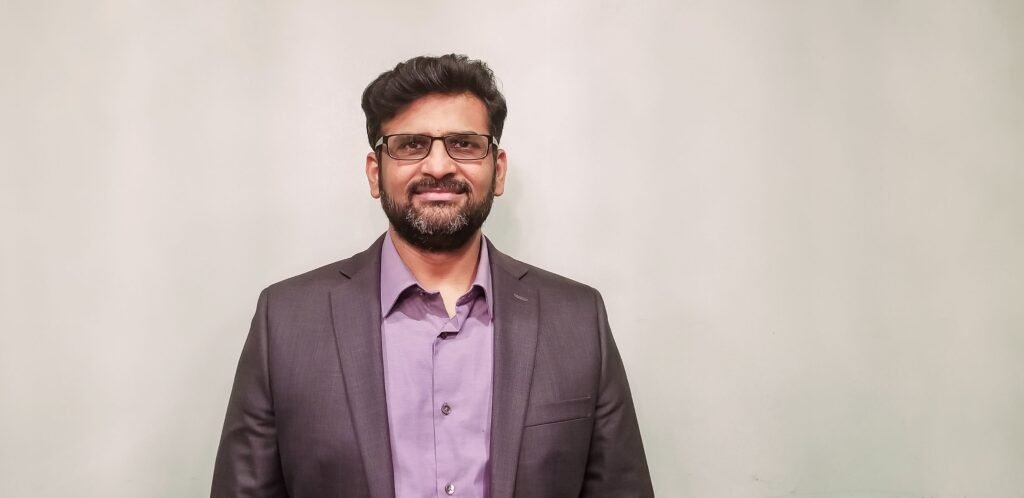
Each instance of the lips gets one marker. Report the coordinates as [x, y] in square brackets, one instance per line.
[438, 190]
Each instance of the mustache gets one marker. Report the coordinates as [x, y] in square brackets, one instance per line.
[447, 184]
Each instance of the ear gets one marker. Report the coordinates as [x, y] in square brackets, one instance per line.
[372, 169]
[500, 168]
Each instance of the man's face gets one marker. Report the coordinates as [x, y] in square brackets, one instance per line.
[437, 203]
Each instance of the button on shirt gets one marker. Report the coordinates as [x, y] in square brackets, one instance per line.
[437, 377]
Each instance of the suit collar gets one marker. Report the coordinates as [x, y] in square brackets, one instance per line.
[515, 268]
[366, 260]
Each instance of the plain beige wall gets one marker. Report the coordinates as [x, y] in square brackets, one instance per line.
[805, 217]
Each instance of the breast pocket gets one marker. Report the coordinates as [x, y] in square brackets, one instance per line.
[559, 411]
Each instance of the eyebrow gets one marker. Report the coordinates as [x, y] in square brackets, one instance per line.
[457, 132]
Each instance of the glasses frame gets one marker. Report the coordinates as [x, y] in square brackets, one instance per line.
[382, 141]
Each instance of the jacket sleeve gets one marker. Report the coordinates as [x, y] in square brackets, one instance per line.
[248, 464]
[616, 466]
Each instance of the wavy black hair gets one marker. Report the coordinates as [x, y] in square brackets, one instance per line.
[418, 77]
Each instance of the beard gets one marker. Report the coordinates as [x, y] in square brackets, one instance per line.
[437, 226]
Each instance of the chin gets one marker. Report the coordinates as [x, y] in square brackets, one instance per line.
[438, 209]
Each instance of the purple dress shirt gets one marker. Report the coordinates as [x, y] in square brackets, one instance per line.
[437, 378]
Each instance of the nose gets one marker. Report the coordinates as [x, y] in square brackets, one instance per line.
[438, 163]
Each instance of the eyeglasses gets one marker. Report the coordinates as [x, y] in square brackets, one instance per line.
[460, 146]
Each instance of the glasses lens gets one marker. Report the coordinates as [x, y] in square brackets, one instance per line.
[408, 146]
[467, 146]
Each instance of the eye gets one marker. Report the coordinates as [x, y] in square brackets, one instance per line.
[466, 142]
[408, 143]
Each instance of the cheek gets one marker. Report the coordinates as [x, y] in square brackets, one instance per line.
[392, 182]
[482, 182]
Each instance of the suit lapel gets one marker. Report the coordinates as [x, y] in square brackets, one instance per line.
[355, 310]
[515, 344]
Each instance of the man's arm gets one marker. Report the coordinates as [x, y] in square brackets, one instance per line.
[616, 466]
[247, 461]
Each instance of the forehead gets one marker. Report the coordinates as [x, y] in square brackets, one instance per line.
[438, 114]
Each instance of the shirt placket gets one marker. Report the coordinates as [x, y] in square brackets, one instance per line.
[446, 414]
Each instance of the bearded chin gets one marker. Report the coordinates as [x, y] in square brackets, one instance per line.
[437, 227]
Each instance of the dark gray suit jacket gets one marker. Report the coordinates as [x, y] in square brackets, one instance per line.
[307, 417]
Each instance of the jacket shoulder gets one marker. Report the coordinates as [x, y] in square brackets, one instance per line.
[330, 275]
[544, 280]
[549, 279]
[326, 276]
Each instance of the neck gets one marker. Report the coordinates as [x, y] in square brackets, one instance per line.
[452, 270]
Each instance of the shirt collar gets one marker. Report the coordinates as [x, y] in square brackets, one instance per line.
[395, 276]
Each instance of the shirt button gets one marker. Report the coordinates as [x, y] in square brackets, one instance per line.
[449, 489]
[446, 409]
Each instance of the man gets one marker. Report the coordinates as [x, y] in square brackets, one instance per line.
[431, 364]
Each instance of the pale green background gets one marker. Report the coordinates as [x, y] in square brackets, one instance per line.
[805, 217]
